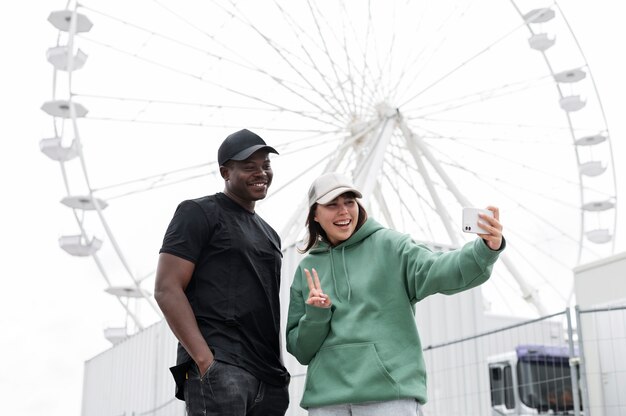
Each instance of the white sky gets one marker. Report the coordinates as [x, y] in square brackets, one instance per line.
[52, 309]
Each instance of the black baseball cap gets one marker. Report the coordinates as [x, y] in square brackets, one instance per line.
[240, 145]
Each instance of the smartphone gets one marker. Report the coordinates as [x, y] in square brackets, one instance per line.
[470, 220]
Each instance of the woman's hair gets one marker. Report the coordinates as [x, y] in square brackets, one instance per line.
[317, 233]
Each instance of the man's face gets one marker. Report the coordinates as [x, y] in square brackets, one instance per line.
[248, 180]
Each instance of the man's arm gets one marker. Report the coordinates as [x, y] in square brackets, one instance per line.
[172, 276]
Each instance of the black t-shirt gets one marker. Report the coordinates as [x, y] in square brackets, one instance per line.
[234, 289]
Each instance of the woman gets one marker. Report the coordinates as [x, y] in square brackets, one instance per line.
[351, 316]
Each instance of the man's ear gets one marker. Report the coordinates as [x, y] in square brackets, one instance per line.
[225, 172]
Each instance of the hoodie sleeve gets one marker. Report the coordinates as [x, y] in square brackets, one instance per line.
[429, 272]
[307, 326]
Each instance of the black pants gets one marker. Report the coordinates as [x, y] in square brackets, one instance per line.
[228, 390]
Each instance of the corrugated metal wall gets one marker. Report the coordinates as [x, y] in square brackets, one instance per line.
[133, 378]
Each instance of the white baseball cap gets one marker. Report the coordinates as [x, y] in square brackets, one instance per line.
[329, 186]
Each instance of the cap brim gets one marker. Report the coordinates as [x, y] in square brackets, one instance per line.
[325, 199]
[246, 153]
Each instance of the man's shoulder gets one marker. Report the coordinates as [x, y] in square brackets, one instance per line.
[207, 199]
[205, 209]
[208, 203]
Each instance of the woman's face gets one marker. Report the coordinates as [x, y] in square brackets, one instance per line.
[338, 218]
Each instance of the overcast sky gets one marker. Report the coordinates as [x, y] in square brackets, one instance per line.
[49, 326]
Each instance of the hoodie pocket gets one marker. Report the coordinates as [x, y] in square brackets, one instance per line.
[349, 373]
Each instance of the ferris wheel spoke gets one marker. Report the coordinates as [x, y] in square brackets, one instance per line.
[159, 180]
[348, 99]
[318, 161]
[202, 124]
[501, 183]
[301, 147]
[152, 33]
[174, 102]
[200, 78]
[509, 160]
[547, 129]
[217, 57]
[505, 187]
[407, 209]
[342, 102]
[282, 53]
[411, 70]
[236, 13]
[541, 279]
[473, 98]
[159, 185]
[377, 80]
[460, 66]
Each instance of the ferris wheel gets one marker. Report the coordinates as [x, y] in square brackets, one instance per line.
[430, 106]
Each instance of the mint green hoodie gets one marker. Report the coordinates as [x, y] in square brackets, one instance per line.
[366, 346]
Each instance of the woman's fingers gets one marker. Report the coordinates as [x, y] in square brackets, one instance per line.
[313, 282]
[317, 300]
[309, 279]
[491, 224]
[495, 210]
[493, 227]
[316, 296]
[318, 285]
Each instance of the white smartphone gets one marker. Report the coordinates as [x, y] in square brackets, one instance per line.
[470, 220]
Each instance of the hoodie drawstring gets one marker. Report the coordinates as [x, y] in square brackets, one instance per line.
[345, 270]
[332, 273]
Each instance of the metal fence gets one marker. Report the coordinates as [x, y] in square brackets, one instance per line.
[458, 371]
[461, 378]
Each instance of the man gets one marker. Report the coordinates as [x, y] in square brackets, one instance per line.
[217, 283]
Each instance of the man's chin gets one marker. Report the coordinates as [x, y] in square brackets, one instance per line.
[256, 196]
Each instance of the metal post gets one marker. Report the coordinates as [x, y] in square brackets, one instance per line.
[573, 360]
[583, 369]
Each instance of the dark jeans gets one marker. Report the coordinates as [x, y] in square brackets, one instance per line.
[228, 390]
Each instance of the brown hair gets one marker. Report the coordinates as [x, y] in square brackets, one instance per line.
[317, 233]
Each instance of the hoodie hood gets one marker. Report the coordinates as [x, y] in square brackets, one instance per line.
[368, 228]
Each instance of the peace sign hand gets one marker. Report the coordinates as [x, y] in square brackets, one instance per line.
[317, 297]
